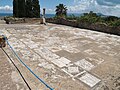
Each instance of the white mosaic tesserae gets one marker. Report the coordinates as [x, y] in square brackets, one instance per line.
[89, 79]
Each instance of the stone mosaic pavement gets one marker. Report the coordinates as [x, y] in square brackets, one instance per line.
[67, 58]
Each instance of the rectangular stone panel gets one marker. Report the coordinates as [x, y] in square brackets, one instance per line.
[61, 62]
[73, 70]
[84, 64]
[89, 79]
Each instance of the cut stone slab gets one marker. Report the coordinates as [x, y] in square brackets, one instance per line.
[72, 50]
[95, 61]
[31, 44]
[89, 79]
[84, 64]
[64, 60]
[90, 52]
[46, 54]
[58, 63]
[55, 49]
[110, 53]
[73, 69]
[61, 62]
[46, 65]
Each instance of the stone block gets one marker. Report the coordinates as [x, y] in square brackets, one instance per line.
[84, 64]
[89, 79]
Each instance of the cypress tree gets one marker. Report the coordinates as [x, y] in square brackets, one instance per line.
[36, 8]
[21, 8]
[28, 8]
[15, 8]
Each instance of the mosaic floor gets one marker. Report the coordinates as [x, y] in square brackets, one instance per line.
[66, 58]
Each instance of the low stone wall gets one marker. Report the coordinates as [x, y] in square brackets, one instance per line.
[95, 27]
[101, 28]
[33, 20]
[62, 21]
[12, 20]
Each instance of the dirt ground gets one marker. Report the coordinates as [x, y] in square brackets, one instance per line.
[66, 58]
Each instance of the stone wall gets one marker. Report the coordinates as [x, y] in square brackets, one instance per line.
[33, 20]
[95, 27]
[11, 20]
[101, 28]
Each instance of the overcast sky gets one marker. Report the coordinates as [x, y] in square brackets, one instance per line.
[107, 7]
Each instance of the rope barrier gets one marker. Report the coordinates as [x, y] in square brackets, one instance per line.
[17, 70]
[27, 66]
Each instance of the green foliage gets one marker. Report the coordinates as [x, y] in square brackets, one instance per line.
[29, 8]
[114, 23]
[26, 8]
[36, 8]
[21, 8]
[93, 18]
[111, 18]
[15, 8]
[72, 17]
[91, 14]
[89, 18]
[61, 11]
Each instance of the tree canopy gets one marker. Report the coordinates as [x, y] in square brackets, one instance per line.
[26, 8]
[61, 10]
[36, 8]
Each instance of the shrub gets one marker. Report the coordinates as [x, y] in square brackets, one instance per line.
[93, 18]
[111, 18]
[89, 19]
[72, 17]
[114, 23]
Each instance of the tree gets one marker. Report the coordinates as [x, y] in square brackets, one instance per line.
[61, 10]
[90, 18]
[111, 18]
[35, 8]
[28, 8]
[91, 14]
[21, 8]
[15, 8]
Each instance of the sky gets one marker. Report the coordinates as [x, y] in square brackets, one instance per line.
[107, 7]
